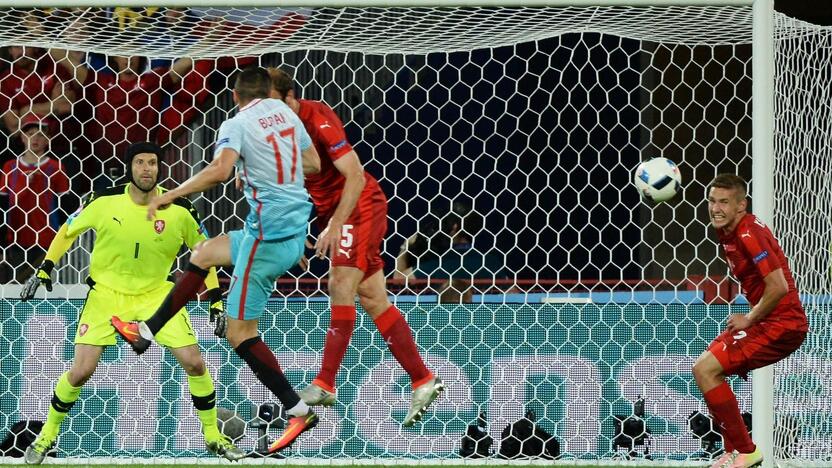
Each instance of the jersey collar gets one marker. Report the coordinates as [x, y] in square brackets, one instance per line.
[251, 104]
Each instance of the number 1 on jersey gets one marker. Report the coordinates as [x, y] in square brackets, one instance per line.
[288, 132]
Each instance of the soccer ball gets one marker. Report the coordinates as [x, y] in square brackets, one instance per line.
[658, 179]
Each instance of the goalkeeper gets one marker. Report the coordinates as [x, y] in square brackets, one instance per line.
[129, 266]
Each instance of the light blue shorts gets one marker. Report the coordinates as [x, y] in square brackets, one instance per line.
[257, 264]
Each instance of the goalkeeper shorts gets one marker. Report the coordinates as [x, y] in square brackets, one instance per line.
[102, 303]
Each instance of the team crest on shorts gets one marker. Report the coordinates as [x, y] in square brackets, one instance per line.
[83, 329]
[159, 226]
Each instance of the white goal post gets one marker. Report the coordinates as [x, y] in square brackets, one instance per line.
[533, 114]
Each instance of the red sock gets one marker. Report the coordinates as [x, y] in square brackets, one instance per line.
[341, 324]
[727, 445]
[723, 405]
[399, 338]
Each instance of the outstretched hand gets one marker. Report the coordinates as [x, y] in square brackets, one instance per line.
[43, 276]
[152, 207]
[157, 203]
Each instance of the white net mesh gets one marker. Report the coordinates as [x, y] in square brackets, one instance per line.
[801, 210]
[526, 124]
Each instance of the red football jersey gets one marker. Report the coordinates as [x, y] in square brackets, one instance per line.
[329, 138]
[33, 197]
[752, 253]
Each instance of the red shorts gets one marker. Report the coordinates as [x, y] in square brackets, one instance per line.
[362, 236]
[756, 346]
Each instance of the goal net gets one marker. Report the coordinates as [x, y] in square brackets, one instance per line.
[506, 138]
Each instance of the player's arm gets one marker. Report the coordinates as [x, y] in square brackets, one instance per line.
[310, 161]
[776, 289]
[219, 170]
[761, 253]
[83, 219]
[352, 170]
[216, 309]
[60, 244]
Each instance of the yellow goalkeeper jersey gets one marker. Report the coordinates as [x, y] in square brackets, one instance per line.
[132, 255]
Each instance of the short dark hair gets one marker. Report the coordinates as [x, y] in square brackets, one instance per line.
[253, 83]
[730, 181]
[282, 81]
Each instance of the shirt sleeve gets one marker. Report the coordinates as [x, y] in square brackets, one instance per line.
[331, 133]
[759, 249]
[195, 230]
[85, 216]
[230, 136]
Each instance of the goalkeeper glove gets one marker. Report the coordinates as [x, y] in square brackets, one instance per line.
[217, 312]
[43, 276]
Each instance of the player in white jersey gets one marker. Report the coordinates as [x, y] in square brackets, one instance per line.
[270, 146]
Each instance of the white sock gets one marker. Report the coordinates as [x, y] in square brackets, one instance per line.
[144, 331]
[299, 409]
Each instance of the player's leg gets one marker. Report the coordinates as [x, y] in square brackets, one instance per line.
[739, 353]
[343, 285]
[212, 252]
[760, 346]
[372, 293]
[204, 397]
[361, 237]
[244, 337]
[722, 403]
[94, 333]
[64, 397]
[256, 266]
[179, 337]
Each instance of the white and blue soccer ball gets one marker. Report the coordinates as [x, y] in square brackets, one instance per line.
[658, 179]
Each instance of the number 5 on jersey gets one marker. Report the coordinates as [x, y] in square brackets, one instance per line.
[346, 241]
